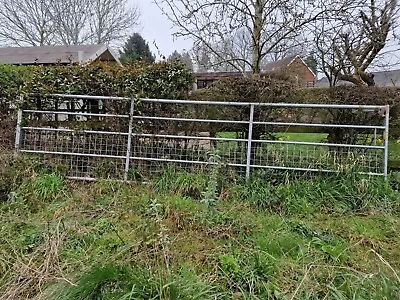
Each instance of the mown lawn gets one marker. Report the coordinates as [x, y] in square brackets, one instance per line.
[198, 236]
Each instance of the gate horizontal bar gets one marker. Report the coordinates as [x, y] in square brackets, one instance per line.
[230, 103]
[185, 161]
[53, 112]
[190, 120]
[207, 138]
[318, 144]
[322, 125]
[71, 153]
[74, 131]
[311, 170]
[89, 97]
[278, 104]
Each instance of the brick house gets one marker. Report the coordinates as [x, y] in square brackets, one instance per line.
[293, 66]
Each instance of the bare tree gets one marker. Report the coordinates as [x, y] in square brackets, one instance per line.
[70, 19]
[231, 55]
[349, 44]
[26, 22]
[111, 20]
[45, 22]
[267, 24]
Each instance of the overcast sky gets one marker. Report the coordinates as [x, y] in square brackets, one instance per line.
[155, 27]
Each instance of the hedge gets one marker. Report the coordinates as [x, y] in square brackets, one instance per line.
[159, 80]
[271, 90]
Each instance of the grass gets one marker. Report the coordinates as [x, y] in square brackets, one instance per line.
[283, 236]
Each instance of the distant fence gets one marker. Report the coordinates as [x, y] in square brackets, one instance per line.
[91, 141]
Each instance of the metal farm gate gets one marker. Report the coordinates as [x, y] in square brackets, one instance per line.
[121, 138]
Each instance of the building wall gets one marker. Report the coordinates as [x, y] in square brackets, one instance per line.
[301, 73]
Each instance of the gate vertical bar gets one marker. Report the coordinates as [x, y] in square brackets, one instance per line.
[129, 143]
[18, 131]
[386, 155]
[249, 140]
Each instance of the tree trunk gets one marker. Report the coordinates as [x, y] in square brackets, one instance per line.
[256, 36]
[361, 78]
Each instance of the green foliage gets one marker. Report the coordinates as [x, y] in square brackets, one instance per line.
[229, 265]
[105, 282]
[11, 80]
[136, 49]
[184, 183]
[159, 80]
[246, 90]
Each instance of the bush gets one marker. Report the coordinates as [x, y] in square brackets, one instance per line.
[266, 90]
[159, 80]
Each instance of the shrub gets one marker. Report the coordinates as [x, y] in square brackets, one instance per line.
[159, 80]
[267, 90]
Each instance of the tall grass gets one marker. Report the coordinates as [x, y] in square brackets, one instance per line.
[114, 281]
[279, 236]
[345, 192]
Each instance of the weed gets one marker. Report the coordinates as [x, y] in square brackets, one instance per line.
[107, 170]
[210, 194]
[259, 193]
[101, 282]
[33, 193]
[161, 239]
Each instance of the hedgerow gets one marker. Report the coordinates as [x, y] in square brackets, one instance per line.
[159, 80]
[266, 90]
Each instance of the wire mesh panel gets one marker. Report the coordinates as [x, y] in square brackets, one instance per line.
[121, 138]
[86, 142]
[326, 138]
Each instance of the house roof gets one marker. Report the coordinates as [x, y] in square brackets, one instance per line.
[282, 63]
[278, 64]
[382, 78]
[56, 54]
[387, 78]
[265, 69]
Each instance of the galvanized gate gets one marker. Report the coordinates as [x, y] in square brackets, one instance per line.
[137, 137]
